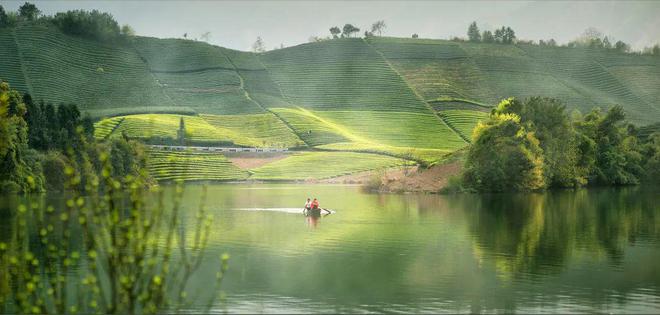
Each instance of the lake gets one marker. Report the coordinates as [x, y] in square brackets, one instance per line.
[590, 250]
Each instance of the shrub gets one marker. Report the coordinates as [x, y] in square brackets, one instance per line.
[53, 165]
[91, 24]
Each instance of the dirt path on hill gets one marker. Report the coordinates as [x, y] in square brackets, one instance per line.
[408, 179]
[247, 161]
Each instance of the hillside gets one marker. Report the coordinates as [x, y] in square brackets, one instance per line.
[412, 98]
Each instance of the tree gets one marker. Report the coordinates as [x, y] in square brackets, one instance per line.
[378, 27]
[655, 50]
[415, 35]
[488, 37]
[621, 46]
[3, 17]
[606, 43]
[499, 35]
[18, 173]
[552, 42]
[473, 32]
[504, 156]
[93, 24]
[29, 11]
[259, 46]
[349, 30]
[508, 35]
[181, 133]
[206, 36]
[616, 159]
[335, 31]
[127, 31]
[552, 126]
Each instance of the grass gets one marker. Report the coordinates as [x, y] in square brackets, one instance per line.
[192, 166]
[463, 120]
[180, 55]
[343, 74]
[423, 156]
[96, 76]
[486, 73]
[259, 130]
[395, 129]
[320, 165]
[10, 63]
[166, 126]
[103, 128]
[434, 68]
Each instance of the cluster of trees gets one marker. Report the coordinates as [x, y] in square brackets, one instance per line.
[536, 144]
[26, 12]
[593, 38]
[53, 127]
[39, 141]
[503, 35]
[347, 31]
[90, 24]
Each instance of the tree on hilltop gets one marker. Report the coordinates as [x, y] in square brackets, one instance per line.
[259, 45]
[621, 46]
[415, 35]
[127, 30]
[206, 36]
[3, 17]
[349, 30]
[473, 33]
[335, 31]
[488, 37]
[509, 35]
[378, 27]
[29, 11]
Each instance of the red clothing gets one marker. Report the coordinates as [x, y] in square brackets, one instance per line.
[315, 204]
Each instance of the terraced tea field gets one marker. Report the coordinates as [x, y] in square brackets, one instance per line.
[62, 68]
[260, 130]
[463, 120]
[192, 166]
[343, 74]
[412, 98]
[486, 73]
[320, 165]
[10, 62]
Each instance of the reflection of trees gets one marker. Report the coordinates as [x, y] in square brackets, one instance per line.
[537, 233]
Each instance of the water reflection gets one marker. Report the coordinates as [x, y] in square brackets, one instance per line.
[538, 233]
[590, 250]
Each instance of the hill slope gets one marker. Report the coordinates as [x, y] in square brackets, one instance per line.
[412, 98]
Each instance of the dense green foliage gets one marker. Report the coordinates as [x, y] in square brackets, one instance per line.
[20, 170]
[534, 145]
[95, 25]
[504, 155]
[107, 253]
[40, 140]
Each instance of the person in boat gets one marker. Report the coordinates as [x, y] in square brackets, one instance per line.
[308, 205]
[317, 208]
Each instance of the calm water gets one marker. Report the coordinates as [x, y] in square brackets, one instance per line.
[584, 251]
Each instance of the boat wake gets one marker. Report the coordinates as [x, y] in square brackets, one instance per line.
[286, 210]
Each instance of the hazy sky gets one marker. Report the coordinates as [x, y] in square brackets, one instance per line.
[236, 24]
